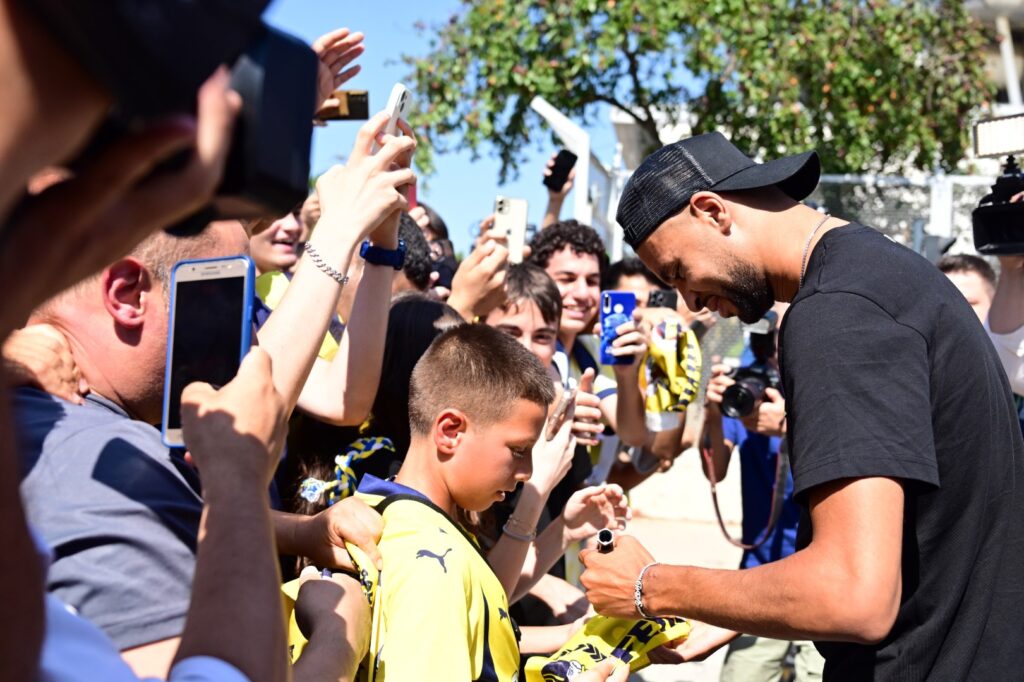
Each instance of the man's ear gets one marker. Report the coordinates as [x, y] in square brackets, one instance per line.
[449, 428]
[710, 209]
[127, 292]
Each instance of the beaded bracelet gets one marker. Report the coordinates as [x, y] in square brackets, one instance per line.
[638, 591]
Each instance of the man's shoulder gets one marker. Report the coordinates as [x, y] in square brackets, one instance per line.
[92, 452]
[46, 423]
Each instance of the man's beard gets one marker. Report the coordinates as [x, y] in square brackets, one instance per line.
[749, 292]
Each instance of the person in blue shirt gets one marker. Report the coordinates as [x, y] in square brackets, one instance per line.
[758, 437]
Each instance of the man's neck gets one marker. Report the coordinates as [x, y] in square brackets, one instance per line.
[791, 236]
[567, 339]
[94, 372]
[419, 472]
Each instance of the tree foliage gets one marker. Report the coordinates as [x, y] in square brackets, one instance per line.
[874, 85]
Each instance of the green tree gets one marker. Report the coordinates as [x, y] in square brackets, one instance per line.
[874, 85]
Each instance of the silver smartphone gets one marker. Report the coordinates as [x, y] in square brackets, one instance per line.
[510, 222]
[209, 330]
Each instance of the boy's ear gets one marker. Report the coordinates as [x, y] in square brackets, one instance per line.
[449, 428]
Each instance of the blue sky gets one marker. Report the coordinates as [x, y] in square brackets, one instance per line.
[462, 190]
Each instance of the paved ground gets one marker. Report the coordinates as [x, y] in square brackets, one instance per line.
[676, 522]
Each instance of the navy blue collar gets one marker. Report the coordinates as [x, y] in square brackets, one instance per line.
[371, 485]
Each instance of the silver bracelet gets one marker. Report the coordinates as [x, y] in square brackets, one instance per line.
[324, 267]
[522, 537]
[638, 591]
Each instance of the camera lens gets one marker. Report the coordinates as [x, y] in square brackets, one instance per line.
[741, 398]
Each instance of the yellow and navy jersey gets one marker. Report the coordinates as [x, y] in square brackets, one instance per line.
[270, 287]
[438, 610]
[584, 354]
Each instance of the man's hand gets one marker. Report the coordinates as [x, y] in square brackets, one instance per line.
[566, 602]
[608, 670]
[115, 202]
[336, 50]
[479, 284]
[334, 616]
[40, 356]
[558, 196]
[770, 417]
[358, 197]
[552, 459]
[591, 509]
[703, 641]
[609, 578]
[235, 434]
[631, 342]
[586, 425]
[323, 536]
[719, 381]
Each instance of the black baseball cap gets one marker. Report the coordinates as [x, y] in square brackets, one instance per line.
[663, 184]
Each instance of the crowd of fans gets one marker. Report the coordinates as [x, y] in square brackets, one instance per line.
[400, 421]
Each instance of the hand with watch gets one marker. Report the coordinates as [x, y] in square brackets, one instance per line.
[363, 199]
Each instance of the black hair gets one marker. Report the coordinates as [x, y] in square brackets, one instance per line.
[583, 239]
[965, 262]
[418, 263]
[629, 266]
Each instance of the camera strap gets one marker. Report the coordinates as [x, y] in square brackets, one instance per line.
[778, 494]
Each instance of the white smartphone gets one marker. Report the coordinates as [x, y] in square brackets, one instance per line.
[397, 108]
[209, 330]
[510, 222]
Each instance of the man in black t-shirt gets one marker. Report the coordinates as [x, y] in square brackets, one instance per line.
[906, 454]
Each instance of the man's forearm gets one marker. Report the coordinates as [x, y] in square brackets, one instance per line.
[803, 596]
[552, 213]
[294, 331]
[235, 613]
[1007, 312]
[355, 371]
[629, 409]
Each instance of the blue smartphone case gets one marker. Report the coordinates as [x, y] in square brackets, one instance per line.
[248, 298]
[616, 309]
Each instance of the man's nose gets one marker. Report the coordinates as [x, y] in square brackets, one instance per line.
[580, 288]
[692, 300]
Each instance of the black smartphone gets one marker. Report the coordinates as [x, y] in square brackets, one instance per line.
[663, 298]
[560, 171]
[209, 330]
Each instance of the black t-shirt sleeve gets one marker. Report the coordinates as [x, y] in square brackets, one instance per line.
[857, 393]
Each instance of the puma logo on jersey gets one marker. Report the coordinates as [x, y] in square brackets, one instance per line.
[440, 557]
[502, 614]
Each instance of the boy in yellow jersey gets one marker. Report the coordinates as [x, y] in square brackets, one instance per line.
[477, 404]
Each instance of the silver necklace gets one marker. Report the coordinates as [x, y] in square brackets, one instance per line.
[807, 245]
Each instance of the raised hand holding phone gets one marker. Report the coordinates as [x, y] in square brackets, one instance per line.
[209, 330]
[355, 199]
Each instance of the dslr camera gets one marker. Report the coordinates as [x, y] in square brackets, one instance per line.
[998, 223]
[742, 398]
